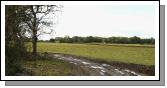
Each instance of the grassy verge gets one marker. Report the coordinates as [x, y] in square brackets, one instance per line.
[45, 66]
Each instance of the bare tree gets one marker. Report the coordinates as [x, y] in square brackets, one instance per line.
[38, 17]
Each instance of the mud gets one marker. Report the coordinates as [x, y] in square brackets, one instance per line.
[87, 67]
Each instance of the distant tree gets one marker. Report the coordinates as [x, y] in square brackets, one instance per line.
[148, 41]
[97, 39]
[93, 39]
[67, 39]
[52, 40]
[135, 40]
[89, 39]
[152, 40]
[77, 39]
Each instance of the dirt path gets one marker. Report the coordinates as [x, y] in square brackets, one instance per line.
[94, 68]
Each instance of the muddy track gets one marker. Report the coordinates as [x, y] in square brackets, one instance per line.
[87, 67]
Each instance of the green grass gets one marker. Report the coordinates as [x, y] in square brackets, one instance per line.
[137, 55]
[47, 67]
[128, 45]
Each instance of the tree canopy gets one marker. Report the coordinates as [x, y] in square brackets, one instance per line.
[94, 39]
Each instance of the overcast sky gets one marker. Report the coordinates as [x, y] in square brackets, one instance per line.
[105, 21]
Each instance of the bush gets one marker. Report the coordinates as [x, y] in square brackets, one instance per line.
[12, 68]
[13, 55]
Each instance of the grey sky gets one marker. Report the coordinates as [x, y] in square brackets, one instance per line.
[105, 21]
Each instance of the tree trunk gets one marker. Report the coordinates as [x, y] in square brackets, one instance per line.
[34, 45]
[34, 38]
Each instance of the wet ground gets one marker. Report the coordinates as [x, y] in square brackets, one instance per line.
[94, 68]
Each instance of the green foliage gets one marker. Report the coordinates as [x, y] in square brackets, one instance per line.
[137, 54]
[135, 40]
[14, 39]
[92, 39]
[13, 56]
[12, 68]
[51, 40]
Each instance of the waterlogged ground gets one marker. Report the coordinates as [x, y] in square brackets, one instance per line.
[85, 67]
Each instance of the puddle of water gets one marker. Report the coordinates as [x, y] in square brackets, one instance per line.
[101, 73]
[76, 60]
[75, 63]
[127, 70]
[57, 55]
[119, 71]
[96, 67]
[60, 58]
[133, 73]
[105, 65]
[85, 62]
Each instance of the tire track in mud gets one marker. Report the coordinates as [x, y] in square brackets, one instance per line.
[90, 68]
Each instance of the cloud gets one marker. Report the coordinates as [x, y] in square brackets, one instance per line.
[85, 20]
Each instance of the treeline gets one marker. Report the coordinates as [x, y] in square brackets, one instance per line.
[93, 39]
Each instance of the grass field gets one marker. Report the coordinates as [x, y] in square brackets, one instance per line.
[47, 67]
[132, 54]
